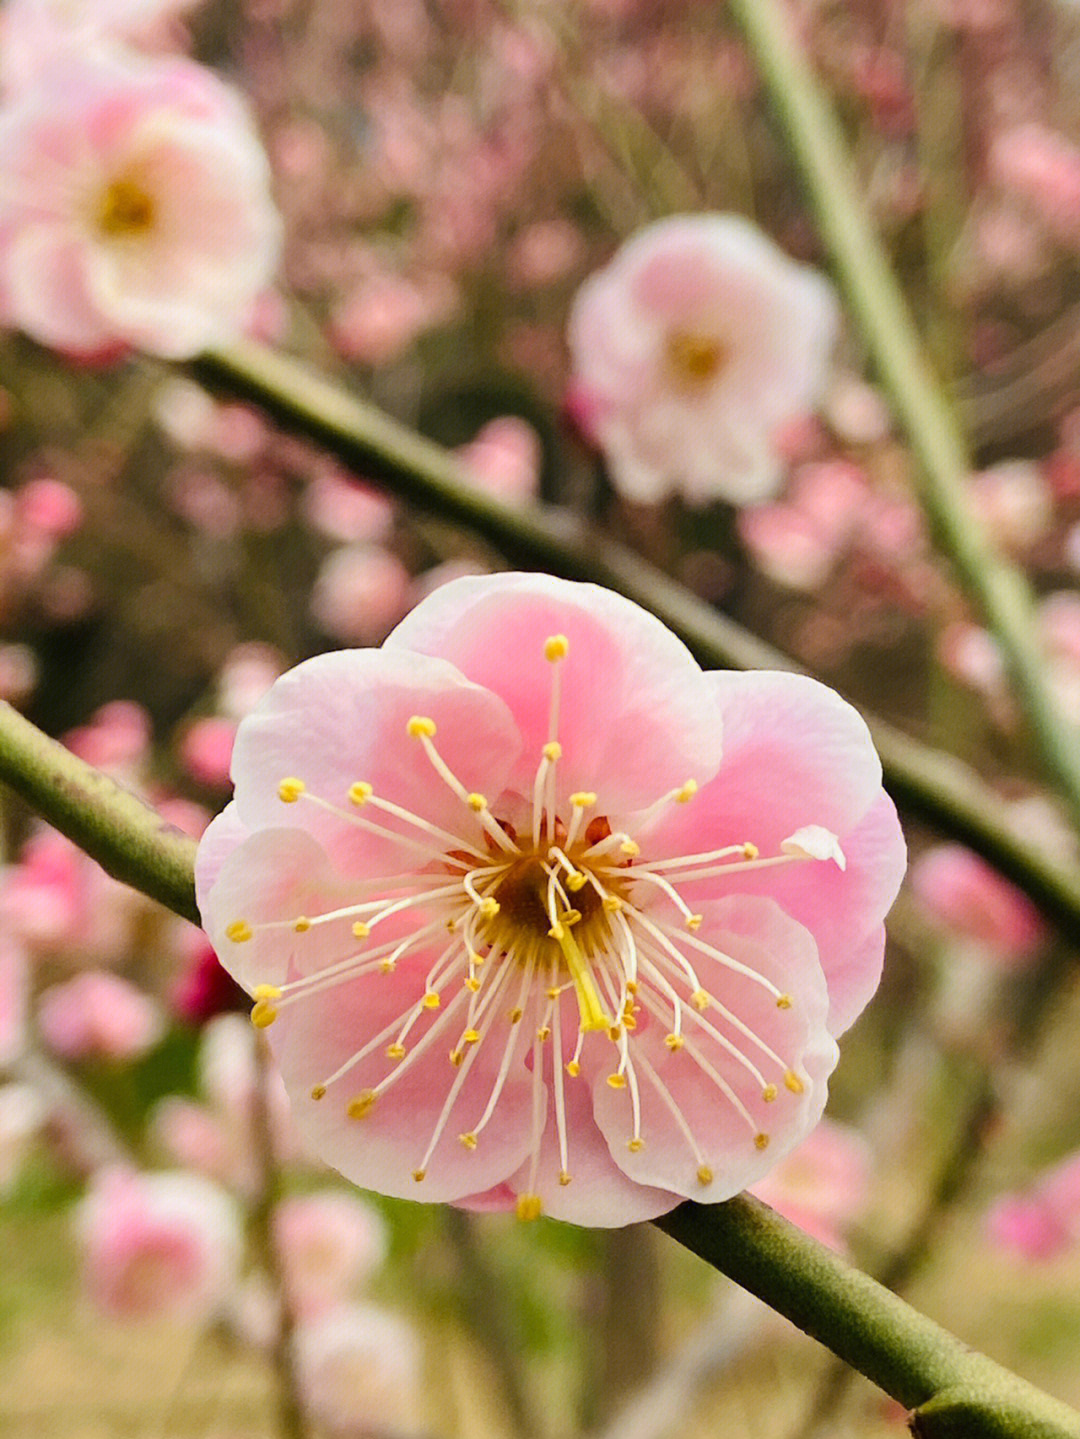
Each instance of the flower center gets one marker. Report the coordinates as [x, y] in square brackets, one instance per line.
[514, 923]
[125, 210]
[694, 357]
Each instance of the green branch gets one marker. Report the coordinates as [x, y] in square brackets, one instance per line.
[953, 1390]
[927, 782]
[877, 302]
[127, 838]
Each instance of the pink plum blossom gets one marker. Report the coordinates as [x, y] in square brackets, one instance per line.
[538, 915]
[99, 1016]
[971, 899]
[691, 350]
[157, 1245]
[822, 1185]
[504, 459]
[134, 207]
[359, 593]
[1044, 1220]
[359, 1370]
[330, 1242]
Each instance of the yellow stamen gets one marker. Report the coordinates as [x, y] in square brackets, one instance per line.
[564, 1178]
[687, 793]
[395, 1051]
[469, 1140]
[361, 930]
[617, 1081]
[529, 1206]
[290, 790]
[704, 1175]
[674, 1042]
[477, 803]
[302, 924]
[431, 1000]
[783, 1001]
[793, 1082]
[263, 1014]
[238, 931]
[589, 1006]
[360, 792]
[769, 1093]
[552, 750]
[761, 1141]
[361, 1104]
[556, 648]
[635, 1145]
[420, 726]
[318, 1091]
[266, 991]
[419, 1175]
[573, 1068]
[583, 799]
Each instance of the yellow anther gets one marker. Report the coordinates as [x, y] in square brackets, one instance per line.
[552, 750]
[573, 1068]
[395, 1050]
[361, 1104]
[301, 924]
[564, 1178]
[318, 1091]
[238, 931]
[629, 1021]
[693, 921]
[570, 916]
[687, 793]
[543, 1034]
[700, 1000]
[612, 903]
[761, 1141]
[674, 1042]
[451, 925]
[387, 966]
[263, 1014]
[631, 986]
[750, 851]
[529, 1206]
[419, 1175]
[793, 1082]
[635, 1145]
[476, 960]
[704, 1175]
[554, 992]
[582, 799]
[472, 983]
[630, 848]
[290, 790]
[456, 1058]
[489, 907]
[614, 1031]
[469, 1140]
[477, 802]
[360, 929]
[557, 647]
[516, 1014]
[576, 881]
[556, 931]
[266, 991]
[360, 792]
[769, 1093]
[783, 1001]
[617, 1081]
[471, 1036]
[421, 727]
[431, 1000]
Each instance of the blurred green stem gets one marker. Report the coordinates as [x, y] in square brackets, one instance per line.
[926, 781]
[878, 305]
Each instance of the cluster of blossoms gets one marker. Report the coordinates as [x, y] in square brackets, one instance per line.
[488, 984]
[135, 207]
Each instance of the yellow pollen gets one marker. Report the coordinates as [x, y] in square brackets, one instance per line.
[750, 851]
[693, 921]
[552, 750]
[694, 357]
[571, 916]
[318, 1091]
[475, 959]
[674, 1042]
[761, 1141]
[687, 793]
[421, 727]
[617, 1081]
[543, 1034]
[612, 903]
[576, 881]
[489, 907]
[238, 931]
[783, 1001]
[360, 1104]
[529, 1206]
[564, 1178]
[472, 983]
[471, 1036]
[516, 1014]
[629, 1022]
[266, 991]
[477, 802]
[302, 924]
[557, 647]
[125, 209]
[614, 1031]
[431, 1000]
[419, 1175]
[635, 1145]
[386, 967]
[631, 986]
[360, 929]
[360, 792]
[263, 1014]
[630, 848]
[704, 1175]
[769, 1093]
[556, 932]
[456, 1058]
[573, 1068]
[554, 992]
[793, 1082]
[290, 790]
[583, 799]
[700, 1000]
[395, 1051]
[469, 1140]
